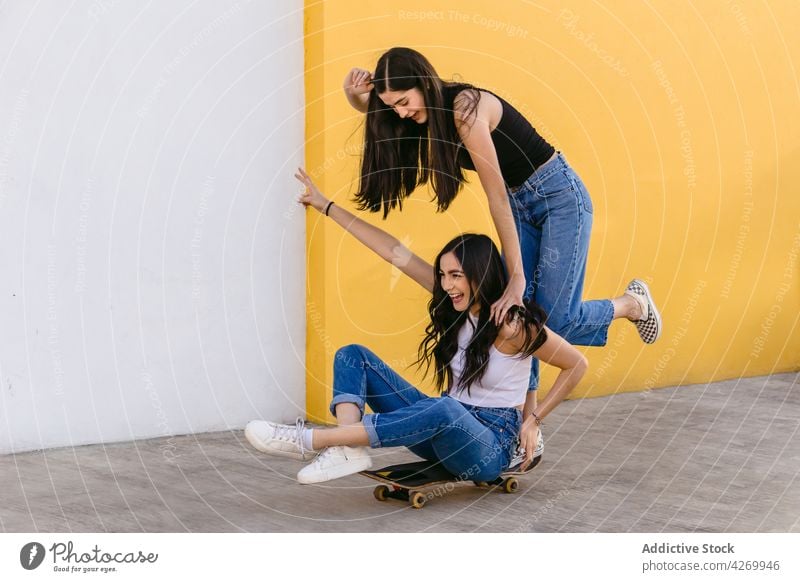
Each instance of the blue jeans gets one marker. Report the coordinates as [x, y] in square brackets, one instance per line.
[472, 442]
[553, 214]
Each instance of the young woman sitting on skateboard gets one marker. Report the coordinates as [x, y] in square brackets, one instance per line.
[481, 369]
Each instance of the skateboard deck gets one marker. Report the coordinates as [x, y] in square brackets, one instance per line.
[420, 481]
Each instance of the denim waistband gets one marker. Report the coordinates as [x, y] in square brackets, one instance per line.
[544, 171]
[506, 413]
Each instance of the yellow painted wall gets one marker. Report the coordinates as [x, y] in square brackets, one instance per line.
[682, 119]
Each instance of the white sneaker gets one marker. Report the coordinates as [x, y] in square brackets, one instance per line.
[539, 445]
[285, 440]
[335, 462]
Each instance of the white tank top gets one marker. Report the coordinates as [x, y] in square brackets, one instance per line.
[504, 383]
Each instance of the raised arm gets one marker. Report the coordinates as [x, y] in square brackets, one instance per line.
[474, 130]
[380, 242]
[357, 85]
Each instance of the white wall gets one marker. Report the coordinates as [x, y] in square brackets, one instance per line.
[151, 256]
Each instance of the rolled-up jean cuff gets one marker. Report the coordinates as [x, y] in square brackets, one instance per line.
[369, 426]
[340, 398]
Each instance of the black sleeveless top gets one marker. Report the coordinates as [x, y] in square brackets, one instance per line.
[520, 149]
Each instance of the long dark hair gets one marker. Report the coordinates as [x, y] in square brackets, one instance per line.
[485, 272]
[400, 154]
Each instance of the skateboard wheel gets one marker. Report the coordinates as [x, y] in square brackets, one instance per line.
[380, 492]
[510, 485]
[417, 500]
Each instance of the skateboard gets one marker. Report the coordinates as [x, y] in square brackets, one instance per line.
[418, 482]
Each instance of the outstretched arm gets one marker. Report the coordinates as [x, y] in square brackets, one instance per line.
[380, 242]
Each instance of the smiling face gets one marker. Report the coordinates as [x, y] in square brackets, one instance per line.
[407, 103]
[455, 283]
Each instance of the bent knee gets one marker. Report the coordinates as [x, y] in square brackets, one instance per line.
[449, 410]
[348, 351]
[351, 352]
[560, 323]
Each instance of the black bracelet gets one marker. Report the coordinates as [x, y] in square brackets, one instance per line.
[536, 419]
[328, 207]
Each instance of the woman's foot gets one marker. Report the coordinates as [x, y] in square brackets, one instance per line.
[335, 462]
[285, 440]
[648, 319]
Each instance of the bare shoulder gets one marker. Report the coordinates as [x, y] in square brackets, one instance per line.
[471, 105]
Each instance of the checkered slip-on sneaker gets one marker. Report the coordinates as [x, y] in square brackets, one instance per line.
[649, 326]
